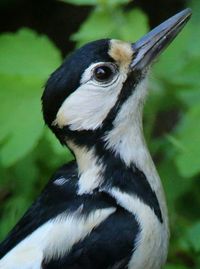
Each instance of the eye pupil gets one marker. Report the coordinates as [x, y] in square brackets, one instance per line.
[103, 73]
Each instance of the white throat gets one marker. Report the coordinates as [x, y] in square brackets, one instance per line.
[89, 168]
[127, 140]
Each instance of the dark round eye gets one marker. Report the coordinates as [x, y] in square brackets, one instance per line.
[104, 73]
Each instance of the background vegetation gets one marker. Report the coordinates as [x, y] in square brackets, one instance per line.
[29, 153]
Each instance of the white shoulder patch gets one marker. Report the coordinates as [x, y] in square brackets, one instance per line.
[53, 239]
[22, 258]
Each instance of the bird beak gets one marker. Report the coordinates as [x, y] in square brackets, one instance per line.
[152, 44]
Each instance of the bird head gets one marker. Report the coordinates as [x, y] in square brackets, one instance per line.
[103, 84]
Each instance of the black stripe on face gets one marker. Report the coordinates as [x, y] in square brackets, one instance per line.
[132, 81]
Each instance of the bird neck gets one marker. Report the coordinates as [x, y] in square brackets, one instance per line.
[119, 154]
[121, 160]
[120, 148]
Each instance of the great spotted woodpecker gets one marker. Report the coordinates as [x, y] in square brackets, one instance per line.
[106, 209]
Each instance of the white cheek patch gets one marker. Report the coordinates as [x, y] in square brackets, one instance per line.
[53, 239]
[87, 107]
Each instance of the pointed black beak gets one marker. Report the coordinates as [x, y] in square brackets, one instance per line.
[152, 44]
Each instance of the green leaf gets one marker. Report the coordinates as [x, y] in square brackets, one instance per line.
[194, 41]
[189, 97]
[26, 60]
[81, 2]
[179, 64]
[175, 266]
[175, 186]
[97, 2]
[193, 236]
[98, 25]
[187, 160]
[111, 23]
[174, 58]
[114, 2]
[20, 117]
[189, 74]
[27, 54]
[135, 25]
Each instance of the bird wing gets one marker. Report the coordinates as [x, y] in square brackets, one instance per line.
[65, 230]
[48, 205]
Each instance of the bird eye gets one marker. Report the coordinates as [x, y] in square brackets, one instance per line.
[103, 73]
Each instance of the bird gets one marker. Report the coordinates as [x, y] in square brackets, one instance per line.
[106, 209]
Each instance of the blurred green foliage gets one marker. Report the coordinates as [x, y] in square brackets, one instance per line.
[29, 153]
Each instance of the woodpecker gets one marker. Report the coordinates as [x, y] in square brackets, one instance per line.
[106, 209]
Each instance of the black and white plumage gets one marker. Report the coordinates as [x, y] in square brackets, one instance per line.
[107, 209]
